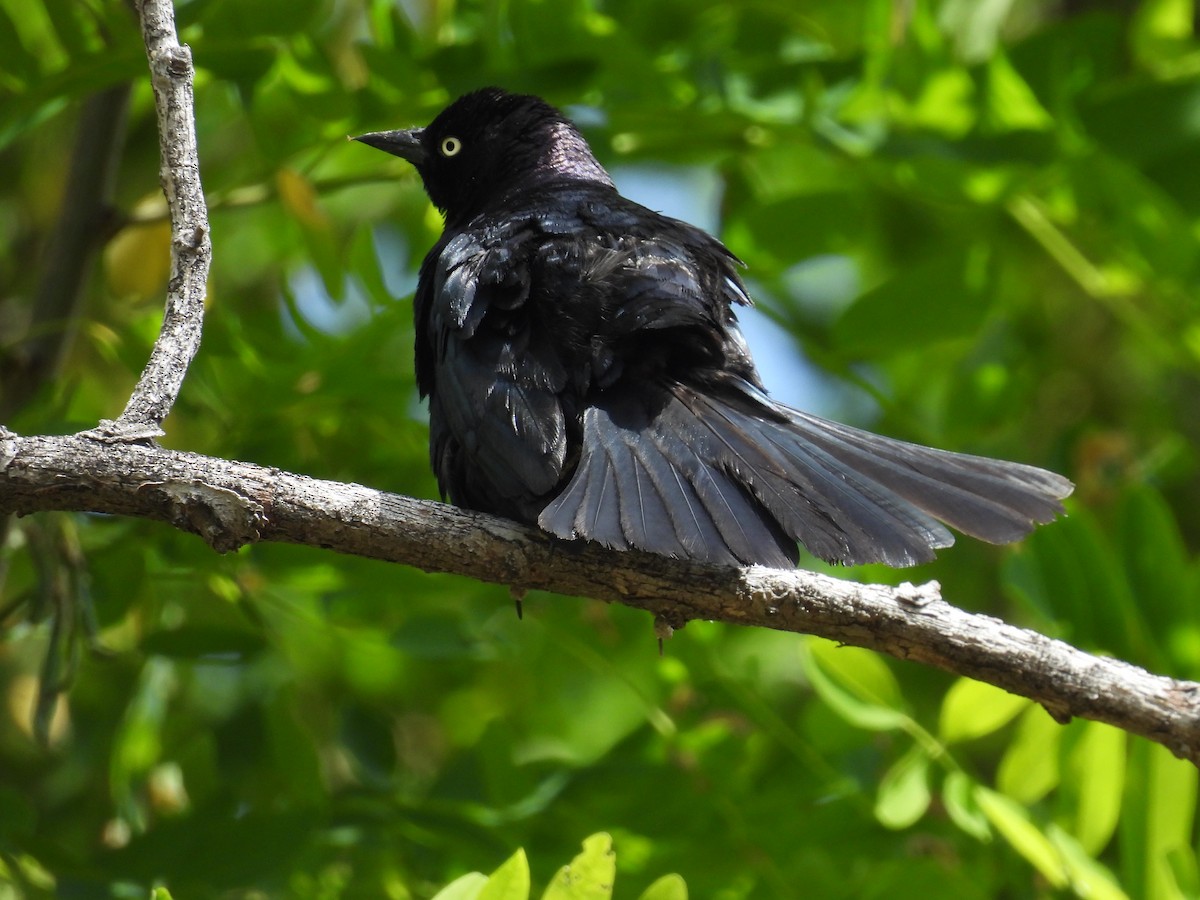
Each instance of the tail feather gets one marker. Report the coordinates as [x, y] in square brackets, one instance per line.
[644, 510]
[734, 479]
[637, 486]
[989, 499]
[688, 530]
[744, 531]
[836, 512]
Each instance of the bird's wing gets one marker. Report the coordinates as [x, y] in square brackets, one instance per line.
[496, 419]
[668, 300]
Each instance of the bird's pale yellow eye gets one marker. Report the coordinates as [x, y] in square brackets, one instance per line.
[451, 146]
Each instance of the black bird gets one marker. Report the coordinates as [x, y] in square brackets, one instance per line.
[586, 373]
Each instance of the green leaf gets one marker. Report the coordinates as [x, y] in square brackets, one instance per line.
[958, 796]
[67, 27]
[1147, 121]
[861, 672]
[1075, 570]
[1089, 877]
[239, 21]
[1186, 871]
[1157, 561]
[669, 887]
[138, 741]
[973, 709]
[946, 103]
[806, 225]
[574, 33]
[465, 887]
[1011, 103]
[14, 58]
[1029, 768]
[855, 683]
[1097, 763]
[937, 299]
[903, 795]
[1170, 788]
[1014, 824]
[589, 876]
[510, 881]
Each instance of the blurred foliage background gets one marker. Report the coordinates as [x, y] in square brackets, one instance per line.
[970, 224]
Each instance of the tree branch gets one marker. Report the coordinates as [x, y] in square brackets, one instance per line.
[171, 74]
[233, 503]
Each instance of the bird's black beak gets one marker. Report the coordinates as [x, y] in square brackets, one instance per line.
[404, 144]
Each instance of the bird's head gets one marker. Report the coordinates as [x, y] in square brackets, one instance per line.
[487, 144]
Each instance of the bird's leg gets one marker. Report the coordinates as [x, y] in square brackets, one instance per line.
[518, 594]
[663, 630]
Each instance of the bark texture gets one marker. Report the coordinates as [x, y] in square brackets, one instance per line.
[171, 75]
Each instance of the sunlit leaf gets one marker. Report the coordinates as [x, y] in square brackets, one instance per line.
[589, 876]
[1089, 877]
[1011, 104]
[1185, 869]
[903, 795]
[973, 709]
[947, 102]
[855, 683]
[509, 882]
[958, 796]
[465, 887]
[1015, 826]
[1097, 765]
[1170, 797]
[1029, 768]
[669, 887]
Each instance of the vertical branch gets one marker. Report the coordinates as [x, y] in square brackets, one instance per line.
[82, 226]
[191, 251]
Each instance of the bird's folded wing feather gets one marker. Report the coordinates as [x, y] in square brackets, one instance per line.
[498, 379]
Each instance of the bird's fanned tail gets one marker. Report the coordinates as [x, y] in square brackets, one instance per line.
[641, 484]
[731, 478]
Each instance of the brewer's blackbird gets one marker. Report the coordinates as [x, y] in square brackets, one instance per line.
[586, 374]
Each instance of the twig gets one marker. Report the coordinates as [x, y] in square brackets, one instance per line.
[232, 503]
[191, 251]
